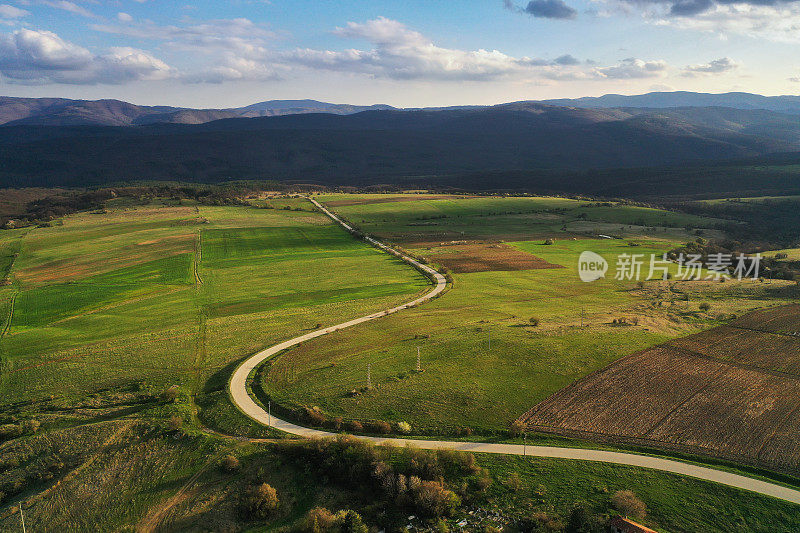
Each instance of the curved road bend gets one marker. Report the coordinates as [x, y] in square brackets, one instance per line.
[238, 392]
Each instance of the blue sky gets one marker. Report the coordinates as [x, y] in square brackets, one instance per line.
[412, 53]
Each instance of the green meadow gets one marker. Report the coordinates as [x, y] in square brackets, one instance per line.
[501, 341]
[111, 309]
[175, 295]
[420, 218]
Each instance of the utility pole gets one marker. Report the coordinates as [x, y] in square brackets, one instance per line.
[524, 444]
[22, 517]
[581, 317]
[269, 412]
[419, 363]
[369, 375]
[489, 332]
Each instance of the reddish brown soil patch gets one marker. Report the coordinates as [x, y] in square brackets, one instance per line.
[484, 257]
[729, 392]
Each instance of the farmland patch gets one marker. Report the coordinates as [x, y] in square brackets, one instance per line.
[484, 257]
[729, 392]
[382, 199]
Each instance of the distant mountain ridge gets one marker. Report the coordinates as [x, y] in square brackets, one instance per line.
[386, 146]
[660, 100]
[66, 112]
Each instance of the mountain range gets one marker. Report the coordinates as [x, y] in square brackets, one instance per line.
[65, 112]
[389, 146]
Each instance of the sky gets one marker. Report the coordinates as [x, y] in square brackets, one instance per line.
[229, 53]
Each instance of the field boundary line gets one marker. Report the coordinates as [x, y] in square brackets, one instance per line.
[198, 257]
[237, 390]
[735, 364]
[7, 325]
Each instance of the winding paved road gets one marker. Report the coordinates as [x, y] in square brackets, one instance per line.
[238, 392]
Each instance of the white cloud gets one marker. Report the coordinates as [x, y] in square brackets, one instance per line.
[72, 7]
[775, 23]
[401, 53]
[240, 50]
[240, 35]
[773, 20]
[717, 66]
[11, 12]
[632, 68]
[398, 52]
[233, 49]
[30, 56]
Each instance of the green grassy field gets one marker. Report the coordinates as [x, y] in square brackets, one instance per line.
[174, 295]
[423, 218]
[484, 362]
[112, 308]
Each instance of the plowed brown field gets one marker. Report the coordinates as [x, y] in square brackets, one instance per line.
[485, 257]
[732, 392]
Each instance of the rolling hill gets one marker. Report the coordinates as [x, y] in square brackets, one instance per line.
[65, 112]
[385, 145]
[736, 100]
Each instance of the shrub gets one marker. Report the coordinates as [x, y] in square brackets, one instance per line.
[540, 522]
[379, 426]
[350, 522]
[318, 520]
[314, 416]
[260, 501]
[517, 428]
[170, 394]
[457, 462]
[534, 321]
[549, 242]
[355, 426]
[404, 427]
[627, 503]
[705, 306]
[230, 464]
[175, 423]
[432, 499]
[464, 431]
[581, 520]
